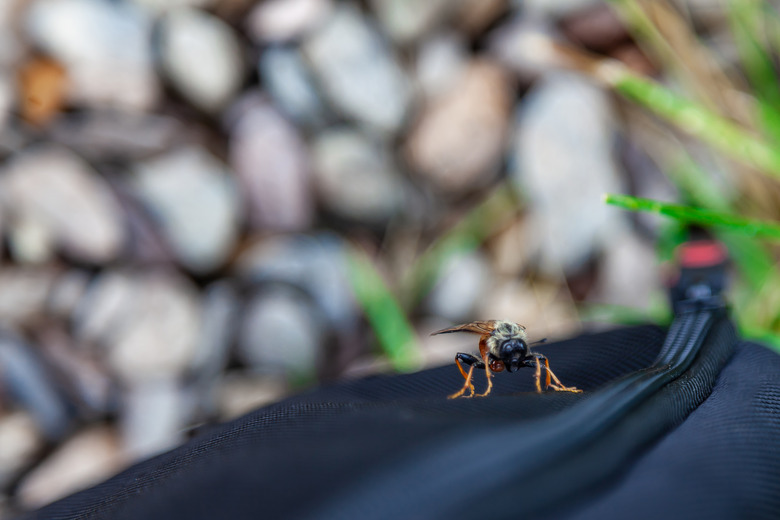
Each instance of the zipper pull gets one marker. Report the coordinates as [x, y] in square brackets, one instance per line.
[702, 277]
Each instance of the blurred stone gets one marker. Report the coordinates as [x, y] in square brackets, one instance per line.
[24, 294]
[221, 308]
[147, 322]
[316, 265]
[240, 393]
[284, 20]
[102, 310]
[271, 161]
[104, 46]
[155, 414]
[146, 242]
[539, 306]
[598, 28]
[11, 48]
[281, 332]
[202, 57]
[66, 292]
[163, 6]
[629, 273]
[30, 241]
[6, 101]
[32, 386]
[108, 134]
[441, 61]
[20, 441]
[408, 20]
[289, 84]
[555, 8]
[461, 283]
[457, 143]
[65, 200]
[89, 457]
[355, 177]
[78, 371]
[42, 83]
[474, 16]
[358, 71]
[192, 197]
[563, 165]
[523, 45]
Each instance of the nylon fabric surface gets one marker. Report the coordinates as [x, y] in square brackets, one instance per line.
[288, 459]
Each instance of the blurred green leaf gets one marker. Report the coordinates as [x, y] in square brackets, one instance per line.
[746, 17]
[390, 324]
[725, 135]
[705, 217]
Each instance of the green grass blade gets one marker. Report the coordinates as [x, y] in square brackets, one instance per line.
[746, 17]
[725, 135]
[705, 217]
[390, 324]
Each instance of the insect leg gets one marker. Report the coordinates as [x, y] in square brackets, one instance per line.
[533, 361]
[558, 386]
[488, 375]
[472, 361]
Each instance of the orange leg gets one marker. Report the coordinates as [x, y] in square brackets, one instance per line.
[558, 386]
[538, 376]
[488, 375]
[467, 385]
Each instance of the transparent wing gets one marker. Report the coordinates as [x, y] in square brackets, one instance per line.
[476, 327]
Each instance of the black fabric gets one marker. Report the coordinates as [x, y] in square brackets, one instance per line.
[304, 457]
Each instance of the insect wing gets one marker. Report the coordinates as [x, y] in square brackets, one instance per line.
[476, 327]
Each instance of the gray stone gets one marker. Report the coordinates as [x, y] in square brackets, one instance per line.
[55, 196]
[33, 387]
[272, 164]
[408, 20]
[221, 309]
[460, 285]
[563, 165]
[289, 84]
[458, 142]
[20, 441]
[147, 323]
[281, 333]
[105, 47]
[92, 455]
[441, 60]
[202, 57]
[6, 98]
[314, 264]
[78, 370]
[154, 416]
[11, 49]
[284, 20]
[354, 176]
[107, 134]
[358, 70]
[164, 6]
[24, 294]
[193, 198]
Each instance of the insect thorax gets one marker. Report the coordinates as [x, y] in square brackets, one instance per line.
[503, 331]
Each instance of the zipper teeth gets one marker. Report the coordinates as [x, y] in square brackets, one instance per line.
[553, 438]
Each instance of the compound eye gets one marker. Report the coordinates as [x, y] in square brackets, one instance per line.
[497, 366]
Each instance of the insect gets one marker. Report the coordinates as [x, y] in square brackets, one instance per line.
[502, 346]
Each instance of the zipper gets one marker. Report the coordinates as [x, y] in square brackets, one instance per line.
[525, 470]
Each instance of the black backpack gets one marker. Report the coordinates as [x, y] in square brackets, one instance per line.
[675, 423]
